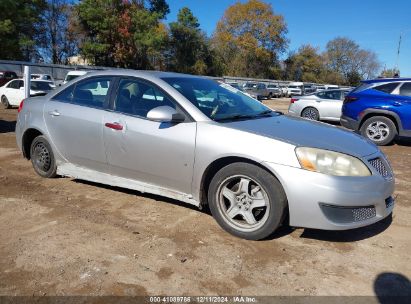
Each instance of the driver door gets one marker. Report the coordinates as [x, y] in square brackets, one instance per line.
[153, 152]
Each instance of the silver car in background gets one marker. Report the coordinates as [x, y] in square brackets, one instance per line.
[203, 142]
[323, 105]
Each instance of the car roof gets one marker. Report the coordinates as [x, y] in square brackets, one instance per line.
[386, 80]
[128, 72]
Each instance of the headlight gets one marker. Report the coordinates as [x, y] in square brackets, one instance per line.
[329, 162]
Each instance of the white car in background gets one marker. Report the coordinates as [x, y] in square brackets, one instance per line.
[322, 105]
[12, 93]
[295, 88]
[73, 74]
[46, 77]
[284, 90]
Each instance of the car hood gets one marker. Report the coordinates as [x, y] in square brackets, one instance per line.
[307, 133]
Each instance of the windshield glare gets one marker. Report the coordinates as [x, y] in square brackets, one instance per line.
[217, 101]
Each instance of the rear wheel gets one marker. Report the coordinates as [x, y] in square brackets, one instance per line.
[5, 102]
[379, 129]
[42, 157]
[247, 201]
[310, 113]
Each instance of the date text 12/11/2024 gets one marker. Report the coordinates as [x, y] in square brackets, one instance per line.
[203, 299]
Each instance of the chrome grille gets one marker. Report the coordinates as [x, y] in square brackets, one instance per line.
[381, 167]
[361, 214]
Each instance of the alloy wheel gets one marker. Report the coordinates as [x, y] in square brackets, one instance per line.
[243, 203]
[377, 131]
[310, 114]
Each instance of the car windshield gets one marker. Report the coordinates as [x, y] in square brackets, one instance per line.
[41, 86]
[218, 101]
[293, 87]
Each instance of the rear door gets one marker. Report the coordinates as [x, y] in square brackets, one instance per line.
[330, 104]
[157, 153]
[74, 120]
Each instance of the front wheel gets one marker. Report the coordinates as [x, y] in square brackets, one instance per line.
[379, 129]
[247, 201]
[5, 102]
[42, 157]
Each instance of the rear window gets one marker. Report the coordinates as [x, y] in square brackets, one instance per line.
[362, 87]
[387, 88]
[41, 86]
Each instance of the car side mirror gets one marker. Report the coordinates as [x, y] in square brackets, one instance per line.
[165, 114]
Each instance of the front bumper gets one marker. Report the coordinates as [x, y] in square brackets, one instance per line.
[349, 123]
[327, 202]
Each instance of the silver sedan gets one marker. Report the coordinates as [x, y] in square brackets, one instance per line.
[323, 105]
[203, 142]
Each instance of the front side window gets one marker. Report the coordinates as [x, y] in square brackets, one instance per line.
[405, 89]
[136, 97]
[217, 101]
[387, 88]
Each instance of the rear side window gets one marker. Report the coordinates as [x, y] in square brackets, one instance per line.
[13, 85]
[387, 88]
[65, 95]
[330, 95]
[91, 92]
[405, 89]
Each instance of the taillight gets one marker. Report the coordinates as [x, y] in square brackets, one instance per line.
[21, 106]
[293, 100]
[348, 99]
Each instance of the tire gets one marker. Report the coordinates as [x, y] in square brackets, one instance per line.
[270, 95]
[379, 129]
[310, 113]
[234, 210]
[42, 157]
[5, 102]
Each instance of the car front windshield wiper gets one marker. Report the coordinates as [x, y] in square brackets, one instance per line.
[247, 116]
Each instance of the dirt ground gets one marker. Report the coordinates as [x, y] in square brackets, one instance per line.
[68, 237]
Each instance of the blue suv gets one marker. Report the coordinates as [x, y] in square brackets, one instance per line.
[379, 109]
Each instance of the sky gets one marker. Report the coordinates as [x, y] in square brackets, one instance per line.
[374, 25]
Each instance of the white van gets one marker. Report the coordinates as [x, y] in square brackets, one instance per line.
[73, 74]
[295, 88]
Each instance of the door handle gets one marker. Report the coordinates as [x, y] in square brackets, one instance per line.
[54, 113]
[397, 104]
[114, 125]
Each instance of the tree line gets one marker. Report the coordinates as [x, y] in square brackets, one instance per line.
[248, 41]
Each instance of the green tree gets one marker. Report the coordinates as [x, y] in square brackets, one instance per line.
[189, 47]
[307, 65]
[345, 57]
[20, 29]
[123, 33]
[249, 38]
[59, 41]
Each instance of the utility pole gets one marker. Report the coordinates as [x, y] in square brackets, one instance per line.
[398, 52]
